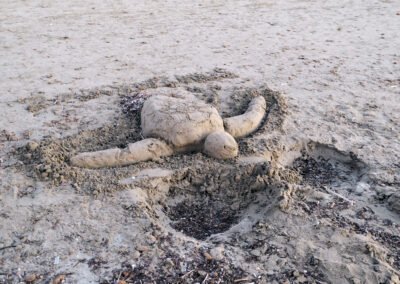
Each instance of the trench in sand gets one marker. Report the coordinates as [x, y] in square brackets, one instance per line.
[217, 200]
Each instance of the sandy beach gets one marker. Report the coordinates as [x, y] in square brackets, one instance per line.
[313, 196]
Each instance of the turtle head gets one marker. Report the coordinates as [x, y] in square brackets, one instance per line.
[221, 145]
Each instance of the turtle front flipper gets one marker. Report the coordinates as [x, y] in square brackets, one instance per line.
[243, 125]
[144, 150]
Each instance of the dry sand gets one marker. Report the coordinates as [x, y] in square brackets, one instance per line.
[313, 197]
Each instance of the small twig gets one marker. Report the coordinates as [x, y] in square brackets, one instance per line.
[79, 261]
[6, 247]
[242, 279]
[119, 276]
[205, 279]
[339, 195]
[183, 276]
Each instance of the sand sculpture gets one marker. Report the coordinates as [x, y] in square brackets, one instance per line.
[173, 125]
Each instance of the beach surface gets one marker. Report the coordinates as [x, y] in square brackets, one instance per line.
[313, 197]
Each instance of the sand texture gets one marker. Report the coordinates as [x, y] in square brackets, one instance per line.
[312, 194]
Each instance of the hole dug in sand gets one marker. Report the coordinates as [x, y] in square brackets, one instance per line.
[321, 165]
[211, 201]
[205, 200]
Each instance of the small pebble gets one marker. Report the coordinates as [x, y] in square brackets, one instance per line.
[394, 202]
[217, 253]
[28, 156]
[27, 134]
[169, 262]
[361, 188]
[58, 279]
[29, 278]
[151, 239]
[202, 273]
[135, 254]
[142, 248]
[32, 145]
[207, 256]
[256, 252]
[301, 279]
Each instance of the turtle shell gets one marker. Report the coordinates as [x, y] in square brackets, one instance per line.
[184, 123]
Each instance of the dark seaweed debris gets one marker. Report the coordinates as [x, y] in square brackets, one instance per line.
[315, 172]
[202, 219]
[172, 268]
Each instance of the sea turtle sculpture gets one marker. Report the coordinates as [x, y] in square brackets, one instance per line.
[180, 124]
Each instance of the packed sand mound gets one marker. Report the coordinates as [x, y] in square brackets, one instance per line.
[51, 158]
[181, 124]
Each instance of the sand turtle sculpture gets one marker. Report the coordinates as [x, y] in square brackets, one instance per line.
[173, 125]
